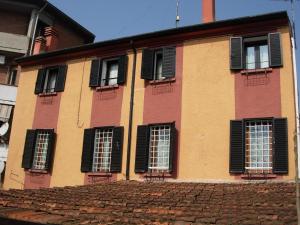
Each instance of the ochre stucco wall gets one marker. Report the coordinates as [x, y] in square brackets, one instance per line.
[207, 107]
[23, 120]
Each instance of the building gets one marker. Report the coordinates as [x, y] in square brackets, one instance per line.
[34, 27]
[213, 101]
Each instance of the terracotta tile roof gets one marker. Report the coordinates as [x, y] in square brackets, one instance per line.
[154, 203]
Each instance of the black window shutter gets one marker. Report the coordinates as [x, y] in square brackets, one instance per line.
[61, 78]
[236, 53]
[280, 154]
[87, 150]
[147, 64]
[95, 73]
[29, 149]
[117, 147]
[237, 147]
[169, 62]
[142, 149]
[40, 81]
[275, 49]
[122, 69]
[173, 139]
[50, 150]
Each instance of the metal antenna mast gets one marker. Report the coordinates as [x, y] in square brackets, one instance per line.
[177, 14]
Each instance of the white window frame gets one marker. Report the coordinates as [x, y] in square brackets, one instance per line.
[158, 76]
[40, 150]
[46, 89]
[106, 80]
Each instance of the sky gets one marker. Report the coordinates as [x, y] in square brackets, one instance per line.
[109, 19]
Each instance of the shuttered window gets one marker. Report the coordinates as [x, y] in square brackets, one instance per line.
[259, 146]
[102, 149]
[38, 149]
[108, 72]
[159, 64]
[255, 52]
[155, 148]
[51, 79]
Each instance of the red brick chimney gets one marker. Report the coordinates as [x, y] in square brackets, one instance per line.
[208, 11]
[51, 38]
[39, 45]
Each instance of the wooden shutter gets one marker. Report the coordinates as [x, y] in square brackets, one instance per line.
[117, 150]
[87, 150]
[142, 149]
[237, 147]
[280, 154]
[169, 62]
[122, 69]
[275, 49]
[173, 139]
[29, 149]
[50, 150]
[147, 64]
[40, 81]
[95, 73]
[61, 78]
[236, 53]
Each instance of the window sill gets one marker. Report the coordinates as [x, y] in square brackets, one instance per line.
[257, 176]
[168, 80]
[99, 174]
[47, 94]
[38, 171]
[255, 71]
[158, 175]
[107, 87]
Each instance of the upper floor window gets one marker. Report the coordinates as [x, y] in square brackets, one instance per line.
[12, 78]
[159, 64]
[256, 52]
[155, 148]
[102, 150]
[38, 149]
[259, 146]
[51, 79]
[108, 72]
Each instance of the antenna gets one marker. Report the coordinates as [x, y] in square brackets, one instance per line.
[177, 13]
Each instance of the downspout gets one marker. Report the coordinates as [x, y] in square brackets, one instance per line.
[131, 112]
[35, 25]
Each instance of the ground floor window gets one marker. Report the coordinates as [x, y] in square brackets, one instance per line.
[40, 150]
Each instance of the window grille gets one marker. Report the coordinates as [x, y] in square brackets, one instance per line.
[159, 148]
[40, 151]
[102, 150]
[259, 147]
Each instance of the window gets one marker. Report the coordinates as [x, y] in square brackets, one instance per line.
[257, 55]
[259, 146]
[159, 149]
[155, 147]
[12, 78]
[109, 72]
[259, 139]
[158, 64]
[102, 150]
[50, 80]
[5, 112]
[40, 150]
[257, 52]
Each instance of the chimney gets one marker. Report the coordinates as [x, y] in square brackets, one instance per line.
[39, 45]
[208, 11]
[51, 38]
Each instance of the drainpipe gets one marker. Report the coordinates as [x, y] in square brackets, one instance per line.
[297, 138]
[35, 25]
[131, 112]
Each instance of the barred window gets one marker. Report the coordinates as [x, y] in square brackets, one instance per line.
[259, 147]
[159, 148]
[102, 150]
[40, 151]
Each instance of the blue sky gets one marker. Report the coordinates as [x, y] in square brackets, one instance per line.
[109, 19]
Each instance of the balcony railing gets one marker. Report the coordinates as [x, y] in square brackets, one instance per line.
[13, 42]
[8, 94]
